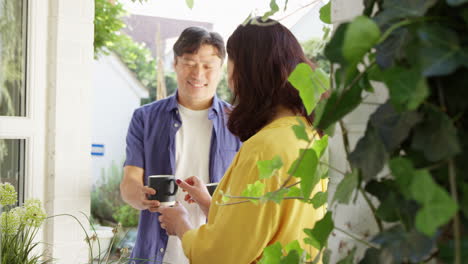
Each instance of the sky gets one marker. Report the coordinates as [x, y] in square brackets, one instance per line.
[225, 15]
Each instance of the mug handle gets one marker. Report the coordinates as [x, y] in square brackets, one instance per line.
[175, 187]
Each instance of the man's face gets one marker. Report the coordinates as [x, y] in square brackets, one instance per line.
[198, 76]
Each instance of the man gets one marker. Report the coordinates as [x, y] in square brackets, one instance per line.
[183, 135]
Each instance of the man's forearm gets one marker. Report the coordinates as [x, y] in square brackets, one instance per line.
[129, 193]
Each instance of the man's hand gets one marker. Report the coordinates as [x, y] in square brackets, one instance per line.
[134, 192]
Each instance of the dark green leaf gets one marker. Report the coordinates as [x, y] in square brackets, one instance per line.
[318, 236]
[267, 168]
[439, 50]
[392, 48]
[438, 207]
[346, 187]
[436, 136]
[325, 13]
[189, 3]
[456, 2]
[464, 199]
[446, 254]
[405, 245]
[349, 259]
[408, 89]
[319, 199]
[369, 155]
[362, 34]
[395, 10]
[272, 254]
[334, 48]
[307, 171]
[310, 84]
[393, 127]
[337, 106]
[374, 256]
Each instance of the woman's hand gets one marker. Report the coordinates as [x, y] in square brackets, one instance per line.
[196, 192]
[175, 220]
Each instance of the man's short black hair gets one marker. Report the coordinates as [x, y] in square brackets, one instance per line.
[192, 38]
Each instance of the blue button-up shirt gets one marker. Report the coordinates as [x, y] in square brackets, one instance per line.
[151, 146]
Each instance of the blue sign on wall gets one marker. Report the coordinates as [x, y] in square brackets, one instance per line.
[97, 150]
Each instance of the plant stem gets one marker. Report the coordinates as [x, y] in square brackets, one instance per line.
[333, 168]
[372, 207]
[355, 238]
[456, 219]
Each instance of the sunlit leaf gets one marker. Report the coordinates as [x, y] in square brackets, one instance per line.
[273, 9]
[276, 196]
[300, 131]
[311, 84]
[320, 145]
[189, 3]
[254, 190]
[437, 205]
[319, 199]
[294, 192]
[318, 236]
[362, 34]
[268, 168]
[325, 13]
[272, 254]
[346, 187]
[306, 171]
[407, 87]
[291, 258]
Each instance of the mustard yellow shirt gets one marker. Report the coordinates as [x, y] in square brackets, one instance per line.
[238, 233]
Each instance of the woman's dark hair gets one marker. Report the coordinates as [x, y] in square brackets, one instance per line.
[264, 54]
[192, 38]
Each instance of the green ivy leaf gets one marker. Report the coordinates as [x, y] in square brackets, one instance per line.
[393, 127]
[306, 171]
[369, 155]
[325, 13]
[404, 172]
[394, 10]
[437, 205]
[404, 245]
[273, 9]
[334, 48]
[272, 254]
[436, 136]
[326, 256]
[362, 34]
[294, 246]
[310, 84]
[318, 236]
[294, 192]
[189, 3]
[267, 168]
[349, 259]
[276, 196]
[320, 145]
[254, 190]
[346, 187]
[319, 199]
[456, 2]
[408, 89]
[300, 131]
[439, 50]
[337, 106]
[291, 258]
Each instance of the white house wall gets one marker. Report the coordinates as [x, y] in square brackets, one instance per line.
[68, 131]
[116, 94]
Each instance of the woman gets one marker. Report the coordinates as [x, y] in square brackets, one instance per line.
[266, 106]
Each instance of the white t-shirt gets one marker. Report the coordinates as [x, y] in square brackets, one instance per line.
[193, 140]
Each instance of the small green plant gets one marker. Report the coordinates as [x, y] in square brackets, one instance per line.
[18, 227]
